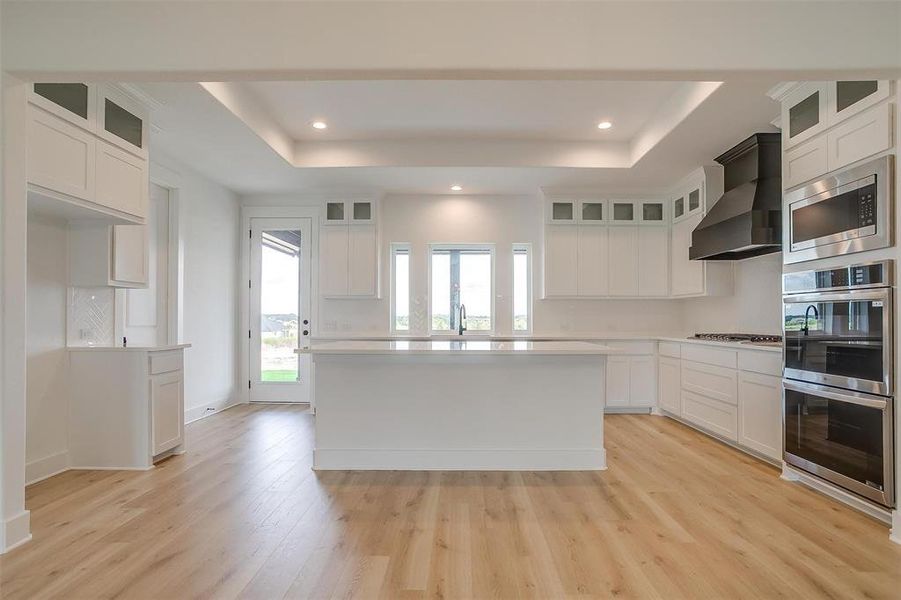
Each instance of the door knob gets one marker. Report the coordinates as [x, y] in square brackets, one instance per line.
[306, 332]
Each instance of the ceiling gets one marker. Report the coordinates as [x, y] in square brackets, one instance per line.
[533, 110]
[420, 137]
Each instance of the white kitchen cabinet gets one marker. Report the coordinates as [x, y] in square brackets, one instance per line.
[362, 257]
[624, 212]
[126, 406]
[122, 180]
[624, 261]
[720, 418]
[863, 135]
[593, 212]
[593, 261]
[74, 102]
[804, 162]
[349, 261]
[561, 261]
[60, 156]
[562, 211]
[687, 275]
[669, 396]
[653, 261]
[167, 411]
[848, 98]
[760, 416]
[631, 381]
[108, 255]
[652, 212]
[122, 121]
[804, 113]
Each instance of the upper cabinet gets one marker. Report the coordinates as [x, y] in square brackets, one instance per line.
[86, 152]
[831, 124]
[349, 249]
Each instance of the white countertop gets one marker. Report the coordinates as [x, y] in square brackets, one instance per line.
[129, 348]
[467, 347]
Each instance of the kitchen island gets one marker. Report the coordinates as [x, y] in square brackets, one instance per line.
[448, 405]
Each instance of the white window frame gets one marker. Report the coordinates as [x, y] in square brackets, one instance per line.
[490, 248]
[527, 248]
[395, 248]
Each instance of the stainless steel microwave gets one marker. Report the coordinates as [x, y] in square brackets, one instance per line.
[849, 211]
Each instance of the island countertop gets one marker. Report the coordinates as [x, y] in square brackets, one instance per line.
[458, 347]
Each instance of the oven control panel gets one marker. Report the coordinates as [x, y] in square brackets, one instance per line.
[866, 206]
[876, 274]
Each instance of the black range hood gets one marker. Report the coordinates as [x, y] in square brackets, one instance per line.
[747, 220]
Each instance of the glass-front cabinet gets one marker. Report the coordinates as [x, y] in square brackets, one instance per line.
[72, 101]
[593, 211]
[121, 121]
[343, 212]
[847, 98]
[562, 210]
[623, 211]
[652, 212]
[804, 112]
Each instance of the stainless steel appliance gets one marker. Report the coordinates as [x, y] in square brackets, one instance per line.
[838, 340]
[847, 212]
[742, 338]
[837, 327]
[842, 436]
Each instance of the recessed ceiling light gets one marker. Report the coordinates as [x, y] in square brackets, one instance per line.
[605, 125]
[320, 125]
[456, 188]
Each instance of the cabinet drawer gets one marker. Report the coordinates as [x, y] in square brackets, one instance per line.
[671, 349]
[715, 416]
[859, 137]
[711, 356]
[714, 382]
[164, 362]
[805, 162]
[768, 363]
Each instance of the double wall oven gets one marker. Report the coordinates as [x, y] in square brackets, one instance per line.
[839, 385]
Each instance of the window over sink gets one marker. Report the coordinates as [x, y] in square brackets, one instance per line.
[461, 275]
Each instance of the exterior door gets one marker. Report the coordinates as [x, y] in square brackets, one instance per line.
[280, 309]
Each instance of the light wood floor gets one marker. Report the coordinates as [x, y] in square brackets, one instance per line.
[677, 515]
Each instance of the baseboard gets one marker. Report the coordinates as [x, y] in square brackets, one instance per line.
[895, 533]
[41, 469]
[459, 460]
[836, 493]
[201, 412]
[15, 531]
[628, 410]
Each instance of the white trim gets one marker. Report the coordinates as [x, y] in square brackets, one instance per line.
[201, 412]
[815, 483]
[393, 249]
[895, 533]
[490, 247]
[779, 91]
[15, 531]
[44, 468]
[527, 247]
[489, 459]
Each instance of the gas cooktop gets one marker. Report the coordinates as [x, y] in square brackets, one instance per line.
[754, 338]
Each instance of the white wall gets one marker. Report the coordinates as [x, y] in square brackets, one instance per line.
[209, 216]
[754, 307]
[46, 438]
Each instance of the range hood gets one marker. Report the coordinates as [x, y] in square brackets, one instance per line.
[747, 220]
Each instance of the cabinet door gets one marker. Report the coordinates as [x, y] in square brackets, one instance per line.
[60, 156]
[687, 275]
[333, 260]
[624, 261]
[167, 411]
[129, 256]
[561, 260]
[561, 211]
[652, 212]
[618, 381]
[804, 162]
[670, 388]
[804, 113]
[121, 121]
[362, 260]
[642, 381]
[123, 181]
[847, 98]
[593, 261]
[859, 137]
[760, 413]
[653, 261]
[623, 211]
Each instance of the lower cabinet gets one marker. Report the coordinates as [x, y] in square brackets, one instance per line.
[631, 381]
[760, 418]
[126, 406]
[741, 403]
[669, 397]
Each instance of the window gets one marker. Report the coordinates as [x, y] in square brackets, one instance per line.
[400, 287]
[462, 274]
[522, 288]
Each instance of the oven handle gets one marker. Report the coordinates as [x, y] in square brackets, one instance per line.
[847, 396]
[851, 295]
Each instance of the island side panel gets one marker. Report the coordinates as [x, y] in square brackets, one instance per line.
[411, 412]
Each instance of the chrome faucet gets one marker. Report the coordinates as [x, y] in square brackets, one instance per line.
[461, 322]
